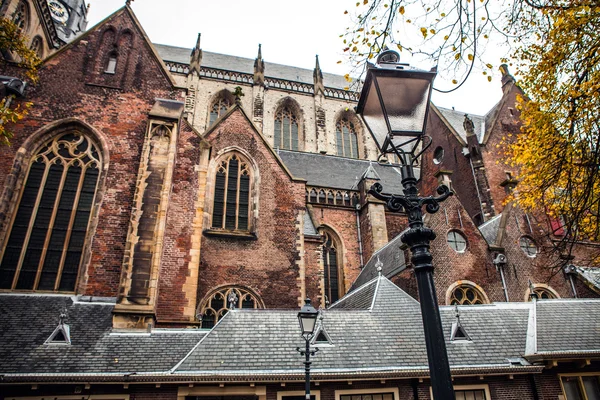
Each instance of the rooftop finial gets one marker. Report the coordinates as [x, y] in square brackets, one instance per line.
[196, 57]
[532, 293]
[379, 266]
[318, 77]
[259, 68]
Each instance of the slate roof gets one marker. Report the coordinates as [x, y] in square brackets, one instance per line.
[490, 229]
[240, 64]
[338, 172]
[590, 275]
[375, 331]
[392, 260]
[481, 122]
[568, 325]
[28, 320]
[385, 337]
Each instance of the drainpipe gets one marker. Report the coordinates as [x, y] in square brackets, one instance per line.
[360, 248]
[570, 270]
[414, 383]
[536, 395]
[500, 262]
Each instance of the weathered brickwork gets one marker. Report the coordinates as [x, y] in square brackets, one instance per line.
[62, 94]
[267, 264]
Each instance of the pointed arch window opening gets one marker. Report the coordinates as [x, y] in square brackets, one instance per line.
[231, 206]
[286, 130]
[37, 46]
[223, 300]
[45, 242]
[218, 108]
[346, 139]
[21, 16]
[466, 295]
[331, 269]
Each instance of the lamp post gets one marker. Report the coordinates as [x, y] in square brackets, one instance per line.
[307, 317]
[394, 104]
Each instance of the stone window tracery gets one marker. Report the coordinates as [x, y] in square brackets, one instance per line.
[346, 139]
[220, 301]
[465, 293]
[21, 16]
[218, 108]
[37, 46]
[286, 130]
[45, 242]
[231, 205]
[542, 291]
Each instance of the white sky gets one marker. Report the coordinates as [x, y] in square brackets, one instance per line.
[291, 33]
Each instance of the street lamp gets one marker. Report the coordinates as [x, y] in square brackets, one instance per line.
[394, 104]
[307, 317]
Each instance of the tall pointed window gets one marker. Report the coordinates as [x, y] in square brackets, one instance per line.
[218, 108]
[286, 130]
[331, 264]
[37, 46]
[21, 16]
[45, 243]
[231, 206]
[346, 140]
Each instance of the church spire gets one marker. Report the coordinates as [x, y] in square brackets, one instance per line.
[196, 57]
[318, 78]
[259, 68]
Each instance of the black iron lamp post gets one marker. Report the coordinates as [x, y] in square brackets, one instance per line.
[308, 321]
[394, 105]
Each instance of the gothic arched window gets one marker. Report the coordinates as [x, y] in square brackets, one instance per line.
[542, 291]
[218, 108]
[286, 130]
[332, 267]
[45, 242]
[466, 293]
[37, 46]
[218, 302]
[346, 139]
[21, 16]
[231, 205]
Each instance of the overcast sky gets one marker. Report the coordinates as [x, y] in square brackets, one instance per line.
[291, 33]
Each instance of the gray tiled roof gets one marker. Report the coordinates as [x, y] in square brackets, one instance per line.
[309, 226]
[457, 118]
[338, 172]
[568, 325]
[246, 65]
[28, 320]
[360, 299]
[490, 228]
[590, 275]
[392, 259]
[388, 337]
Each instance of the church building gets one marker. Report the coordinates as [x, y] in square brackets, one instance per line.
[165, 211]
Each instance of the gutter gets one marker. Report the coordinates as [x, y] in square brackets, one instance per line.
[257, 376]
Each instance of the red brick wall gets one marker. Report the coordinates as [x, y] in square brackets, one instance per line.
[119, 115]
[268, 264]
[343, 222]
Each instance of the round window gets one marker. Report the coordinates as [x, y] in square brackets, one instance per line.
[528, 246]
[438, 155]
[457, 241]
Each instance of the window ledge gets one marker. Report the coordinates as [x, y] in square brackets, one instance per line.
[241, 235]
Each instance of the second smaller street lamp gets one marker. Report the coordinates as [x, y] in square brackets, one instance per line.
[307, 318]
[394, 105]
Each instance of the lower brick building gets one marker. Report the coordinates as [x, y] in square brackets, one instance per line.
[162, 213]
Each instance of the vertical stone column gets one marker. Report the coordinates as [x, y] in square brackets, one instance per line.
[138, 291]
[320, 116]
[374, 226]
